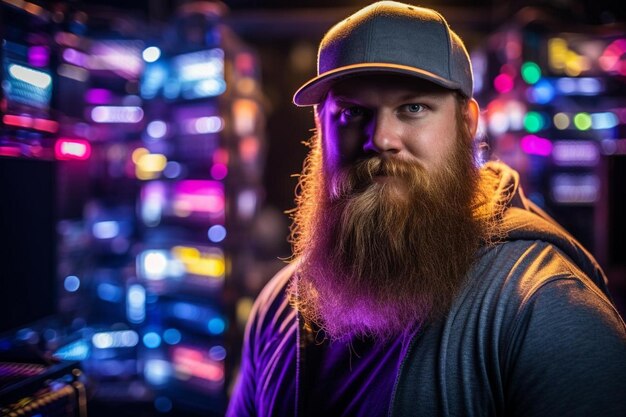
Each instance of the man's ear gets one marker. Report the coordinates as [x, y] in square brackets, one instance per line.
[472, 111]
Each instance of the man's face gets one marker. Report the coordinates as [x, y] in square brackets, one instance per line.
[394, 117]
[385, 226]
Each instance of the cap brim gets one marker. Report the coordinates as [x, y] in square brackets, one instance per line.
[314, 90]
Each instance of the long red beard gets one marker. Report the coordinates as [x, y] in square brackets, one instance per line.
[383, 245]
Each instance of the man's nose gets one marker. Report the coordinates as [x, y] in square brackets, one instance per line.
[383, 135]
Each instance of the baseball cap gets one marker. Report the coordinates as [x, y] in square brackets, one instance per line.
[390, 37]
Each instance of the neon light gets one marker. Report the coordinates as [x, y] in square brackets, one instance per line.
[157, 371]
[73, 72]
[136, 303]
[534, 145]
[152, 203]
[172, 170]
[575, 189]
[202, 125]
[151, 340]
[582, 121]
[533, 122]
[115, 339]
[71, 283]
[217, 353]
[542, 92]
[66, 149]
[15, 120]
[531, 73]
[151, 54]
[561, 121]
[38, 56]
[75, 351]
[98, 96]
[216, 325]
[198, 196]
[153, 264]
[192, 362]
[219, 171]
[150, 165]
[172, 336]
[156, 129]
[75, 57]
[106, 229]
[246, 204]
[604, 120]
[612, 57]
[45, 125]
[217, 233]
[575, 153]
[117, 114]
[109, 292]
[209, 263]
[503, 83]
[30, 76]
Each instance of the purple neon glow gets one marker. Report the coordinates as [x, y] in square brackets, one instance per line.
[38, 56]
[575, 153]
[535, 145]
[98, 96]
[199, 196]
[75, 57]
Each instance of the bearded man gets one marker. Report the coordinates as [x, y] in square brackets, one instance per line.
[422, 284]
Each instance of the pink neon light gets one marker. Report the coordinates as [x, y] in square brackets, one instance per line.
[15, 120]
[9, 151]
[65, 149]
[611, 59]
[38, 56]
[219, 171]
[46, 125]
[534, 145]
[503, 83]
[200, 196]
[193, 362]
[31, 123]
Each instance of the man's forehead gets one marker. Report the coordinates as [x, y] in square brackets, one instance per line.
[399, 85]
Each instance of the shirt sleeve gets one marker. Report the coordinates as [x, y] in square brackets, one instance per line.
[567, 354]
[242, 399]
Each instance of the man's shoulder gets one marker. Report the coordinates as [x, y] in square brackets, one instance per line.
[272, 307]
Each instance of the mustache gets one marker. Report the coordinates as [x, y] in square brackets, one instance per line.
[362, 175]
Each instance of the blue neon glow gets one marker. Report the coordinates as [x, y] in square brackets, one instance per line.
[604, 120]
[106, 229]
[172, 336]
[75, 351]
[136, 303]
[152, 340]
[542, 92]
[217, 353]
[109, 292]
[217, 325]
[217, 233]
[71, 283]
[157, 371]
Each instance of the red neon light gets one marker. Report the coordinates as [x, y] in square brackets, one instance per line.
[72, 149]
[46, 125]
[194, 363]
[31, 123]
[15, 120]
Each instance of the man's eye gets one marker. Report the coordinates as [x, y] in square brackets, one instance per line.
[414, 107]
[350, 113]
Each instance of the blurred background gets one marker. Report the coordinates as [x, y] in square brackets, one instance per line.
[147, 157]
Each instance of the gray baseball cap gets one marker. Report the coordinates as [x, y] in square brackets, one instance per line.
[390, 37]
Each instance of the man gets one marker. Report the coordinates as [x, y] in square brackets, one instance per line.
[422, 285]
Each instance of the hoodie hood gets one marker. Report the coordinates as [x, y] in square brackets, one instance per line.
[521, 219]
